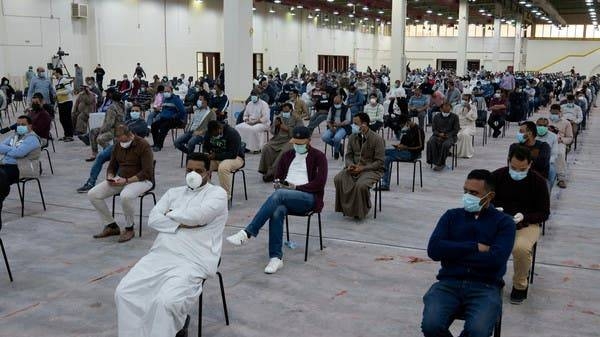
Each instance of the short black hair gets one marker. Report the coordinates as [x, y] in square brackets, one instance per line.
[116, 96]
[58, 71]
[520, 152]
[38, 95]
[486, 176]
[555, 107]
[531, 127]
[570, 97]
[136, 105]
[199, 156]
[212, 126]
[160, 88]
[364, 118]
[205, 95]
[29, 121]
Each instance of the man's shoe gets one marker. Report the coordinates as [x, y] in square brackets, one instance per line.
[336, 155]
[90, 159]
[184, 331]
[85, 188]
[517, 296]
[108, 231]
[238, 238]
[68, 139]
[438, 168]
[85, 139]
[267, 178]
[156, 149]
[127, 235]
[382, 188]
[562, 184]
[274, 265]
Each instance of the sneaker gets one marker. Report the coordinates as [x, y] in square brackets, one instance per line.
[238, 238]
[156, 149]
[68, 139]
[127, 235]
[275, 264]
[85, 188]
[517, 296]
[85, 139]
[562, 184]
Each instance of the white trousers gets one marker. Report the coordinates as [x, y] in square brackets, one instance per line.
[253, 135]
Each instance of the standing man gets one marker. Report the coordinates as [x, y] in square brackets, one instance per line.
[364, 167]
[99, 71]
[43, 85]
[445, 129]
[78, 78]
[29, 75]
[157, 294]
[130, 173]
[139, 71]
[473, 244]
[523, 194]
[64, 97]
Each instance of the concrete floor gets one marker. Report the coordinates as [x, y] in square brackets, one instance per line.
[368, 281]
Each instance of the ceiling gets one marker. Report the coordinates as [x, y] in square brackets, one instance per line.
[446, 11]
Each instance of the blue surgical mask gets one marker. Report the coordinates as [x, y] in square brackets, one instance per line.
[542, 130]
[42, 74]
[471, 203]
[404, 129]
[520, 137]
[554, 118]
[254, 98]
[337, 106]
[300, 148]
[517, 175]
[355, 128]
[22, 129]
[167, 95]
[134, 115]
[285, 114]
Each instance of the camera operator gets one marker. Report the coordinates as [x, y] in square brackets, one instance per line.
[64, 98]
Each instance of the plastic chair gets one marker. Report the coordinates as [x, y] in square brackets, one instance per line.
[414, 162]
[21, 189]
[225, 311]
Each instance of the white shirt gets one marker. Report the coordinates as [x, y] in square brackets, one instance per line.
[552, 139]
[298, 173]
[572, 112]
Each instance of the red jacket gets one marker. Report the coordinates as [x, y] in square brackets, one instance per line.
[41, 122]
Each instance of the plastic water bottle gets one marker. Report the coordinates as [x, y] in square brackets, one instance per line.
[291, 244]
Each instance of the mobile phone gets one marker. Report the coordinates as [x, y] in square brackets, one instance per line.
[285, 183]
[112, 180]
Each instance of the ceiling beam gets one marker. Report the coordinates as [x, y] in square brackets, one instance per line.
[547, 7]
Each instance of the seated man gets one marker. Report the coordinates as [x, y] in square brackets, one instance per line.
[473, 243]
[301, 176]
[339, 120]
[364, 167]
[155, 296]
[322, 103]
[19, 154]
[445, 129]
[172, 115]
[564, 131]
[523, 194]
[375, 111]
[467, 115]
[137, 125]
[115, 114]
[256, 120]
[417, 106]
[219, 103]
[144, 97]
[540, 151]
[573, 113]
[130, 173]
[194, 132]
[411, 145]
[497, 113]
[282, 127]
[299, 107]
[223, 145]
[551, 139]
[40, 119]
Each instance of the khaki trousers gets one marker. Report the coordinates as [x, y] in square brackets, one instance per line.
[522, 254]
[560, 162]
[224, 170]
[129, 193]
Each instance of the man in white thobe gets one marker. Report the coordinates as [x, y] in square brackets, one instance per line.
[155, 297]
[256, 121]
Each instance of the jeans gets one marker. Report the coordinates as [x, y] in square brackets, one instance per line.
[551, 176]
[101, 158]
[187, 142]
[482, 304]
[315, 120]
[334, 140]
[392, 155]
[281, 203]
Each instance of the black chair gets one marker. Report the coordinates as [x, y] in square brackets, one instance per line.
[332, 152]
[142, 196]
[454, 156]
[3, 251]
[45, 148]
[225, 311]
[414, 162]
[21, 189]
[308, 215]
[377, 192]
[533, 254]
[543, 227]
[241, 169]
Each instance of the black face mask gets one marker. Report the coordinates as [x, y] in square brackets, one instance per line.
[36, 106]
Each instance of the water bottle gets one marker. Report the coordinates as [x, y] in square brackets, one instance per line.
[291, 244]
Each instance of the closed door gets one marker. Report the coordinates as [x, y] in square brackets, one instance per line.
[208, 63]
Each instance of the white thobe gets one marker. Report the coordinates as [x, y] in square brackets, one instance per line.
[467, 115]
[254, 135]
[157, 294]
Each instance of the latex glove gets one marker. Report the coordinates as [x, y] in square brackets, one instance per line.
[518, 217]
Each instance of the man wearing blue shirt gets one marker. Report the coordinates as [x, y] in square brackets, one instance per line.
[417, 106]
[42, 84]
[473, 244]
[171, 116]
[19, 154]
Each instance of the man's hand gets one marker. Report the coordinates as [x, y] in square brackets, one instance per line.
[289, 186]
[400, 146]
[358, 169]
[211, 156]
[518, 218]
[483, 248]
[198, 133]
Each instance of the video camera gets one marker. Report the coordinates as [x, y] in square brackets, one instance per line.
[61, 52]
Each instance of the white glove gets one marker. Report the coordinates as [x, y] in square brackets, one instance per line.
[518, 217]
[500, 209]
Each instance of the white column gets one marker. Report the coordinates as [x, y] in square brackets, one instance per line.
[463, 32]
[496, 47]
[398, 64]
[517, 55]
[237, 51]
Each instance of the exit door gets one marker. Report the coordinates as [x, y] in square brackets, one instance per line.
[208, 64]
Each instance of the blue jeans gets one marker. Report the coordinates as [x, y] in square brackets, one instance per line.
[101, 158]
[551, 176]
[151, 116]
[480, 304]
[187, 142]
[275, 208]
[392, 155]
[334, 140]
[316, 120]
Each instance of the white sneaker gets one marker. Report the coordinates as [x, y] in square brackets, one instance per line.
[274, 264]
[238, 238]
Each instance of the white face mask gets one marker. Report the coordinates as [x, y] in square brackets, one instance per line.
[373, 101]
[126, 145]
[445, 114]
[194, 180]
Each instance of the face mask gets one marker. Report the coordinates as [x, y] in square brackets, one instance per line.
[337, 106]
[42, 74]
[521, 137]
[134, 115]
[517, 175]
[285, 114]
[254, 99]
[36, 106]
[126, 145]
[465, 102]
[194, 180]
[373, 101]
[542, 130]
[445, 114]
[471, 203]
[167, 95]
[142, 89]
[355, 128]
[199, 104]
[554, 118]
[22, 129]
[300, 148]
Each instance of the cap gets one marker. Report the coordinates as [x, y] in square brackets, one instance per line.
[300, 135]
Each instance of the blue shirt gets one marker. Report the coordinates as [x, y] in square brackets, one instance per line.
[454, 243]
[172, 108]
[15, 147]
[418, 102]
[43, 86]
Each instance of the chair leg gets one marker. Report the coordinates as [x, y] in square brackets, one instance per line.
[113, 206]
[375, 208]
[397, 172]
[534, 253]
[141, 212]
[287, 228]
[6, 260]
[414, 175]
[225, 311]
[22, 197]
[544, 228]
[41, 193]
[498, 327]
[49, 160]
[200, 314]
[320, 231]
[380, 197]
[244, 179]
[307, 236]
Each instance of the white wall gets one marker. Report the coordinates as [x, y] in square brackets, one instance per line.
[548, 52]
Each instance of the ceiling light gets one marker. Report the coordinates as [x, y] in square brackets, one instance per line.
[489, 14]
[299, 6]
[317, 9]
[503, 20]
[589, 3]
[429, 11]
[527, 5]
[450, 18]
[271, 10]
[277, 1]
[481, 10]
[522, 2]
[291, 9]
[439, 14]
[310, 16]
[378, 19]
[381, 12]
[336, 12]
[253, 8]
[538, 13]
[326, 18]
[389, 22]
[329, 0]
[365, 8]
[350, 4]
[350, 15]
[340, 22]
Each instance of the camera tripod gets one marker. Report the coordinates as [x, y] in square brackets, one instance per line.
[61, 64]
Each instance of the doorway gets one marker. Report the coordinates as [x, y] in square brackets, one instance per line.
[329, 63]
[208, 63]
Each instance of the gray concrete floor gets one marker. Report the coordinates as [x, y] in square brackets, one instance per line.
[368, 281]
